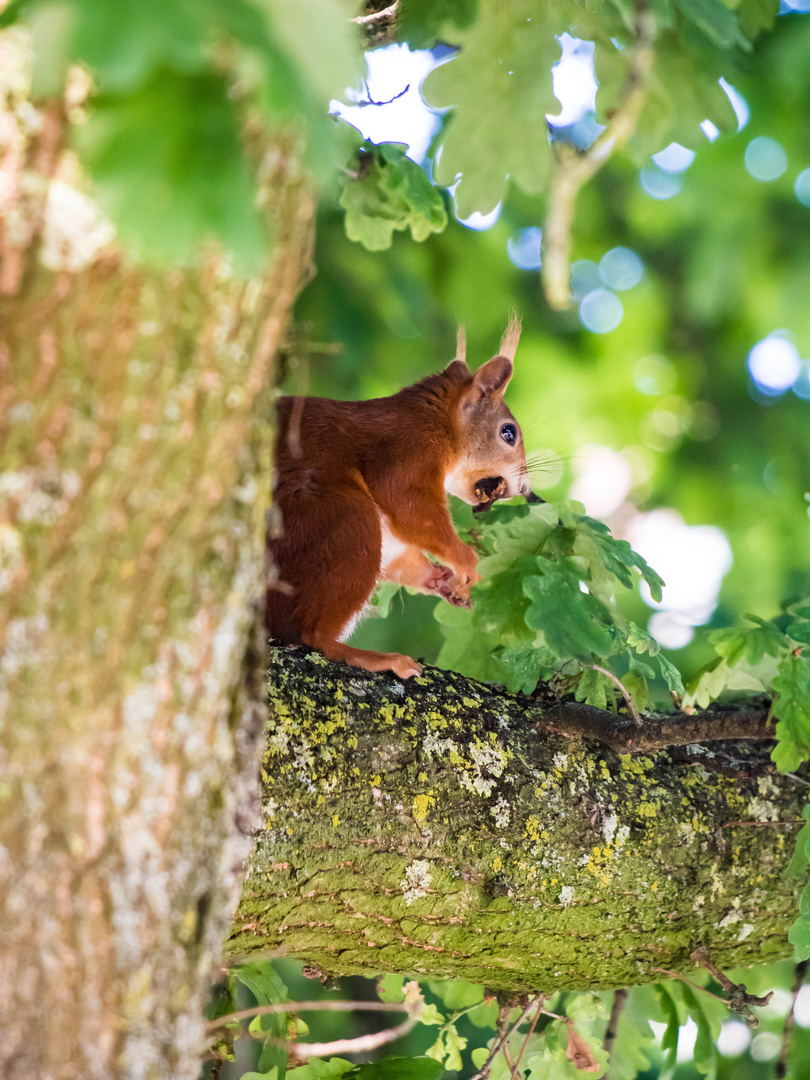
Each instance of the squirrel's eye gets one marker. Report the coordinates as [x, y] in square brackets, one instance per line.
[509, 433]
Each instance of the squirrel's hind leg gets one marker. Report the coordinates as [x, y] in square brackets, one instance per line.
[403, 666]
[328, 560]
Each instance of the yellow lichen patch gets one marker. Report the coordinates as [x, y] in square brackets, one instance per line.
[421, 805]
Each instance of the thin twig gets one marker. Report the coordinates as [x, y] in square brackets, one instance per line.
[781, 1063]
[619, 1001]
[738, 997]
[360, 1045]
[530, 1032]
[572, 168]
[507, 1056]
[694, 985]
[384, 13]
[622, 689]
[304, 1006]
[505, 1037]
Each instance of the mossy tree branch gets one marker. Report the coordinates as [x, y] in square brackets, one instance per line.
[445, 828]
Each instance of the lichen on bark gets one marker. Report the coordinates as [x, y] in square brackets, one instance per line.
[432, 827]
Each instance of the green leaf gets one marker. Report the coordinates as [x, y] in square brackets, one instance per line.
[523, 667]
[757, 15]
[320, 40]
[792, 709]
[268, 988]
[705, 1051]
[169, 169]
[264, 982]
[380, 604]
[619, 558]
[431, 1017]
[398, 1068]
[318, 1069]
[388, 193]
[716, 21]
[799, 938]
[499, 602]
[389, 988]
[499, 87]
[801, 855]
[457, 994]
[572, 622]
[424, 22]
[641, 641]
[594, 688]
[499, 1069]
[671, 675]
[799, 631]
[669, 1040]
[708, 685]
[466, 649]
[634, 1040]
[447, 1048]
[749, 645]
[126, 43]
[485, 1015]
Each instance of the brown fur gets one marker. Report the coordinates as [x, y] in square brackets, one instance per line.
[360, 472]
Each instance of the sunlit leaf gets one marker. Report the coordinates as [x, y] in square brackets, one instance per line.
[499, 88]
[388, 193]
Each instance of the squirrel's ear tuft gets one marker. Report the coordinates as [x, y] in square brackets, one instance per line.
[459, 368]
[493, 377]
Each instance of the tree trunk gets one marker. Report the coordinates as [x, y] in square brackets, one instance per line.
[134, 425]
[436, 827]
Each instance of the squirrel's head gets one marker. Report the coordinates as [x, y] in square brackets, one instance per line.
[491, 463]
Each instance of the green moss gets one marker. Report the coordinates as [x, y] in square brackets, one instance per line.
[433, 830]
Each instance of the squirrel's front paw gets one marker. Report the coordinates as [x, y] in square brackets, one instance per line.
[449, 586]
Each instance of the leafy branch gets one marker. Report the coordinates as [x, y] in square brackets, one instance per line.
[572, 169]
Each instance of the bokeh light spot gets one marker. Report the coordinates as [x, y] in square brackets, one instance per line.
[801, 387]
[674, 158]
[601, 311]
[738, 103]
[523, 248]
[802, 186]
[670, 630]
[479, 222]
[774, 364]
[659, 184]
[654, 375]
[603, 481]
[620, 268]
[765, 1046]
[692, 560]
[710, 130]
[585, 277]
[765, 159]
[733, 1039]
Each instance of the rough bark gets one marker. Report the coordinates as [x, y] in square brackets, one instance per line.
[134, 410]
[440, 827]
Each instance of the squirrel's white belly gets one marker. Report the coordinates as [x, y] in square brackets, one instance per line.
[392, 548]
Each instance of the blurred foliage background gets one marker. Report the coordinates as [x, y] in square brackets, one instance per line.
[660, 412]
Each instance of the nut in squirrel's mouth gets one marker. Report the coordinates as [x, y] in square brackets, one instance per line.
[488, 490]
[492, 488]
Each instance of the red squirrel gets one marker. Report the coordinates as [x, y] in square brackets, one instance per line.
[361, 486]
